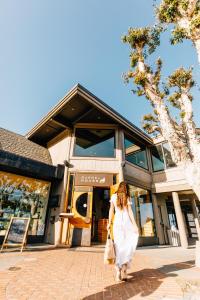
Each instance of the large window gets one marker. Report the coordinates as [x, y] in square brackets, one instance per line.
[94, 142]
[143, 210]
[23, 197]
[161, 157]
[135, 153]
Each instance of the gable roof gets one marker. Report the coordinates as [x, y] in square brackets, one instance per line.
[78, 106]
[17, 144]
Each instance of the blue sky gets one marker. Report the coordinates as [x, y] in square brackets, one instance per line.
[49, 46]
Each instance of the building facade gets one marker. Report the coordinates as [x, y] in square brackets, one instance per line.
[90, 149]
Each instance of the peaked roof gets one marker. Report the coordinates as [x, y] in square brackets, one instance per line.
[78, 105]
[17, 144]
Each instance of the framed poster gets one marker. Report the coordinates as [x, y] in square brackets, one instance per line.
[16, 234]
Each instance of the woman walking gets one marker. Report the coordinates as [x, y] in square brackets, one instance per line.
[125, 230]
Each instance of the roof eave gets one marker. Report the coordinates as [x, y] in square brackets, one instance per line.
[80, 90]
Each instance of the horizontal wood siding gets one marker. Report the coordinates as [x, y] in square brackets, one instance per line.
[95, 165]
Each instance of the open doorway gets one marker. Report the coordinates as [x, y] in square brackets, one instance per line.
[100, 213]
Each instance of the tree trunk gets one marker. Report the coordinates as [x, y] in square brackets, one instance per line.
[197, 46]
[190, 128]
[169, 133]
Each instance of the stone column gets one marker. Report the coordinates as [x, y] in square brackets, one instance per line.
[180, 221]
[196, 218]
[157, 219]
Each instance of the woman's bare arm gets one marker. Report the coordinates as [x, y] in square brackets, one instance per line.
[130, 212]
[111, 213]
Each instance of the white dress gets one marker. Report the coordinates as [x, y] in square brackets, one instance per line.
[125, 239]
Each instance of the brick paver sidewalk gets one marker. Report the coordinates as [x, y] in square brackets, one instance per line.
[80, 274]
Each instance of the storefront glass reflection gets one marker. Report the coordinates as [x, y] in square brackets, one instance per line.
[143, 210]
[23, 197]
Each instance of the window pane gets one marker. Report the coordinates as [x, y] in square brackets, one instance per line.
[157, 158]
[23, 197]
[94, 142]
[143, 210]
[135, 154]
[168, 158]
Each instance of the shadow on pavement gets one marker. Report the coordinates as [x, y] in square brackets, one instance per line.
[142, 283]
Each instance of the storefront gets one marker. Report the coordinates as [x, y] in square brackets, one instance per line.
[72, 161]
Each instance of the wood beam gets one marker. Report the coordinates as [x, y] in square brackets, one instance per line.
[63, 121]
[59, 123]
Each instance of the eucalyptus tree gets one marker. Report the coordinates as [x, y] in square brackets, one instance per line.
[175, 92]
[185, 16]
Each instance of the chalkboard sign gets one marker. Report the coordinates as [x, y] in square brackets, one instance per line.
[16, 233]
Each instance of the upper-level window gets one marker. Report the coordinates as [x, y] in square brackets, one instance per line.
[94, 142]
[161, 157]
[135, 154]
[157, 158]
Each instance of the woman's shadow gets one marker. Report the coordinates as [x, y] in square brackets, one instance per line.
[142, 283]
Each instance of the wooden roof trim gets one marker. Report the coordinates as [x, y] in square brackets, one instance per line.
[78, 89]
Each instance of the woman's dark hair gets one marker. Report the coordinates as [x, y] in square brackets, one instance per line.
[122, 195]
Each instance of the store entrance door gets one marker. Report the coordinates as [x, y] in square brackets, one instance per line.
[100, 213]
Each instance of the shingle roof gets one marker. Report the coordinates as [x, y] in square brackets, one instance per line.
[19, 145]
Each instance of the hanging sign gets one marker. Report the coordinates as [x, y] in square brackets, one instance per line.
[94, 179]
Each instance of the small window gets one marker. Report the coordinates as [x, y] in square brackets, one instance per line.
[94, 142]
[157, 158]
[135, 154]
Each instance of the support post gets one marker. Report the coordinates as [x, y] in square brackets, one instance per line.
[180, 221]
[196, 218]
[157, 219]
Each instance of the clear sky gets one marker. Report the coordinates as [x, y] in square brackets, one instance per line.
[48, 46]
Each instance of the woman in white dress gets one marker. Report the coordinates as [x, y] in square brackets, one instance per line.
[125, 230]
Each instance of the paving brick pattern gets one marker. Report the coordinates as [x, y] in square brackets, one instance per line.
[79, 273]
